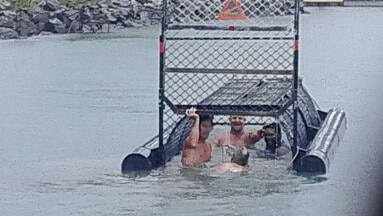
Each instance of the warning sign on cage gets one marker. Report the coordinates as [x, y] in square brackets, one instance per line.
[231, 10]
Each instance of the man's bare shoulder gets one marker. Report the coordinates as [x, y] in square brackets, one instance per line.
[219, 138]
[221, 134]
[230, 167]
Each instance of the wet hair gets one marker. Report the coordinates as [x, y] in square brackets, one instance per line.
[275, 141]
[240, 157]
[203, 118]
[273, 125]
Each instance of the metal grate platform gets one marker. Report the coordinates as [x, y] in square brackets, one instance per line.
[246, 97]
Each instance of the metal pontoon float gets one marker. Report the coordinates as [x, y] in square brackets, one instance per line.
[236, 57]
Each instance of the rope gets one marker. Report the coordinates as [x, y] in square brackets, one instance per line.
[295, 157]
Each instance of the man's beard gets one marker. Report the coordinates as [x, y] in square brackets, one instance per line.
[237, 128]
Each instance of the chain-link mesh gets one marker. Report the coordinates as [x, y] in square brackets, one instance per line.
[207, 11]
[228, 57]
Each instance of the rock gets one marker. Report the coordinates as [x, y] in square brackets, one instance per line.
[75, 27]
[8, 13]
[125, 12]
[48, 5]
[7, 23]
[40, 17]
[122, 3]
[5, 5]
[8, 33]
[110, 18]
[70, 14]
[141, 1]
[104, 3]
[22, 15]
[130, 23]
[24, 26]
[56, 17]
[58, 26]
[55, 21]
[45, 33]
[27, 28]
[7, 19]
[59, 14]
[41, 20]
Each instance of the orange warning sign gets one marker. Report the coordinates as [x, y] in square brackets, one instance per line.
[231, 10]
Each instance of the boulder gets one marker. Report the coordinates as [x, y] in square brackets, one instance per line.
[41, 20]
[125, 12]
[45, 33]
[104, 3]
[122, 3]
[57, 26]
[40, 17]
[8, 13]
[8, 33]
[48, 5]
[130, 23]
[24, 26]
[27, 28]
[59, 14]
[5, 5]
[75, 27]
[7, 19]
[71, 14]
[110, 18]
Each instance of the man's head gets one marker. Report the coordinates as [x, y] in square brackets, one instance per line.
[272, 135]
[240, 157]
[237, 123]
[205, 125]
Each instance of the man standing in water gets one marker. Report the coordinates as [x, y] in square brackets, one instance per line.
[196, 149]
[273, 140]
[237, 136]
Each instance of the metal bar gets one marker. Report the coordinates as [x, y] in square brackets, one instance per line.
[230, 38]
[161, 91]
[295, 78]
[247, 123]
[227, 71]
[228, 28]
[285, 107]
[181, 110]
[230, 108]
[170, 104]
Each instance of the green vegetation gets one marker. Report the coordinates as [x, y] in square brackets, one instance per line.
[22, 3]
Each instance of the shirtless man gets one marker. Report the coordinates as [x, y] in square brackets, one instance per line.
[274, 144]
[239, 162]
[237, 136]
[196, 149]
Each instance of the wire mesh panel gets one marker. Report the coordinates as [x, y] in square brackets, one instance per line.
[228, 57]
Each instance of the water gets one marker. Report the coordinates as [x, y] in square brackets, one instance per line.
[72, 107]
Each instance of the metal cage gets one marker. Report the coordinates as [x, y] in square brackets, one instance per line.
[228, 57]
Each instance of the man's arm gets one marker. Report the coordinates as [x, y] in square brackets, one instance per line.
[192, 140]
[217, 141]
[253, 137]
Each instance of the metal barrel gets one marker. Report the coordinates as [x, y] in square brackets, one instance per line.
[321, 150]
[150, 156]
[143, 158]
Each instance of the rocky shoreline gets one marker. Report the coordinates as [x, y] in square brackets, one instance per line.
[50, 17]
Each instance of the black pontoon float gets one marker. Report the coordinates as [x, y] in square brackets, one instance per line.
[236, 57]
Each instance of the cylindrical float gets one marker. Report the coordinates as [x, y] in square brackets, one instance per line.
[322, 148]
